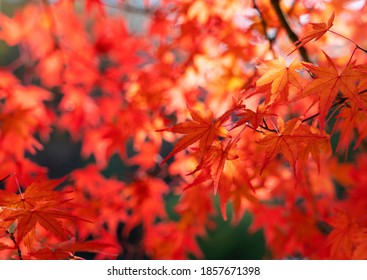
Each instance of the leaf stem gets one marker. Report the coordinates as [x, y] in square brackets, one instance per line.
[18, 181]
[349, 40]
[339, 102]
[350, 59]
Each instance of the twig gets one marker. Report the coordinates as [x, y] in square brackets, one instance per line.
[11, 235]
[265, 27]
[341, 101]
[293, 36]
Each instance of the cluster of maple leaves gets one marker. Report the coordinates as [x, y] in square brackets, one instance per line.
[259, 116]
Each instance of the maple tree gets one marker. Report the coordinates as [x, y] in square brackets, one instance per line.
[259, 103]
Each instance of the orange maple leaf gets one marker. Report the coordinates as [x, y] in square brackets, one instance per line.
[295, 141]
[318, 30]
[280, 76]
[255, 119]
[202, 128]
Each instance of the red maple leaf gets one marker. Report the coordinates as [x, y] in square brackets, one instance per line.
[203, 128]
[295, 141]
[327, 82]
[39, 204]
[66, 250]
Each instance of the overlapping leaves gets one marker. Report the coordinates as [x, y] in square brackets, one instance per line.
[40, 205]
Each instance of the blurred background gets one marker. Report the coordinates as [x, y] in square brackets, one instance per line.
[61, 155]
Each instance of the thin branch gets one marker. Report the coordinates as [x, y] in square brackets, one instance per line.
[11, 235]
[266, 127]
[349, 40]
[5, 178]
[293, 36]
[311, 117]
[362, 49]
[265, 28]
[257, 130]
[339, 102]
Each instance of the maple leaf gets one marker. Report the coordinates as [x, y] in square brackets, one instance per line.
[147, 156]
[13, 31]
[360, 251]
[5, 247]
[318, 30]
[295, 141]
[145, 200]
[255, 119]
[95, 4]
[341, 238]
[50, 68]
[160, 25]
[109, 95]
[199, 10]
[48, 219]
[171, 240]
[100, 199]
[215, 160]
[280, 76]
[67, 249]
[228, 176]
[39, 204]
[327, 82]
[202, 128]
[352, 125]
[16, 131]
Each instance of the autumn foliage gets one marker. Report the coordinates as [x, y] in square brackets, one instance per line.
[261, 104]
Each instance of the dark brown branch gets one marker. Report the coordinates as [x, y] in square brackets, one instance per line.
[5, 178]
[293, 36]
[266, 127]
[311, 117]
[339, 102]
[360, 48]
[11, 235]
[257, 130]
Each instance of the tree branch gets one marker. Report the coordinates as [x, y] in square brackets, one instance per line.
[19, 252]
[265, 27]
[293, 36]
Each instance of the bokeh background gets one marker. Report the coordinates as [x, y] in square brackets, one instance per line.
[61, 155]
